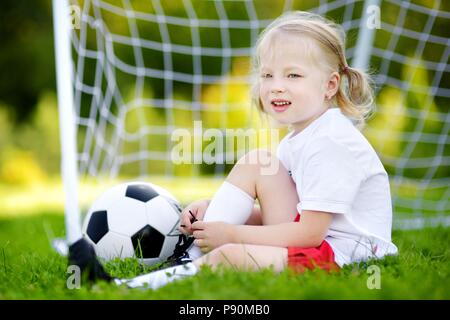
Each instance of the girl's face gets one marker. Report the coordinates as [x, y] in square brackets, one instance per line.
[292, 86]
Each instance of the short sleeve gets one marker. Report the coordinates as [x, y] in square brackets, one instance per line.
[330, 179]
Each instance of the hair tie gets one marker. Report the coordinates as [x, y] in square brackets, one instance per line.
[344, 69]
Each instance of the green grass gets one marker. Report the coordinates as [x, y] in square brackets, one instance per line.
[29, 269]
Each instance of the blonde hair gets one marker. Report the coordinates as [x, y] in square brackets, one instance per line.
[355, 95]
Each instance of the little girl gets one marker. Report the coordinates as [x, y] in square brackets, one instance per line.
[325, 202]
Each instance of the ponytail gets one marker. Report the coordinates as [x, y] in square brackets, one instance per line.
[355, 95]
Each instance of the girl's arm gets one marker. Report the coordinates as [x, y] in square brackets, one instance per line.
[308, 232]
[255, 217]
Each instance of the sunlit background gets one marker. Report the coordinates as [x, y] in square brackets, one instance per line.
[145, 68]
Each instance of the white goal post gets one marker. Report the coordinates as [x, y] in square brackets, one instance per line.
[67, 118]
[131, 72]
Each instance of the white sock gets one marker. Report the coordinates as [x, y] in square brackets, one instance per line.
[156, 279]
[230, 204]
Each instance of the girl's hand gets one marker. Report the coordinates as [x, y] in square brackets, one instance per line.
[210, 235]
[198, 209]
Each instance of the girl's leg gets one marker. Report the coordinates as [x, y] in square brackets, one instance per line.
[242, 257]
[262, 175]
[245, 257]
[259, 175]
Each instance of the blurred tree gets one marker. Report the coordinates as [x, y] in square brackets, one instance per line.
[26, 55]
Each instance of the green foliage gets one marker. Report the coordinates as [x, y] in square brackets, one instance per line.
[5, 127]
[27, 58]
[402, 113]
[41, 136]
[20, 167]
[29, 269]
[30, 151]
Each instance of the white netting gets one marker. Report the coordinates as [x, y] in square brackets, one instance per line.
[145, 68]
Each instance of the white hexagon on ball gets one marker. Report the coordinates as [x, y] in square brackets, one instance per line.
[114, 245]
[127, 216]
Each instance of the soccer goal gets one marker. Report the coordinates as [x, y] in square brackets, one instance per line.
[131, 73]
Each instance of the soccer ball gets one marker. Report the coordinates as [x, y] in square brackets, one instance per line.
[137, 219]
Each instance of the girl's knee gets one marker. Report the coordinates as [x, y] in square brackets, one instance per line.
[262, 160]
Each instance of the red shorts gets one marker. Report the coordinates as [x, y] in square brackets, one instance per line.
[322, 257]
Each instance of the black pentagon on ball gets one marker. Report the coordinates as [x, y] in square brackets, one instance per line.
[141, 192]
[147, 242]
[97, 226]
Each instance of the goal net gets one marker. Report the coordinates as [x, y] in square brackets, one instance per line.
[132, 75]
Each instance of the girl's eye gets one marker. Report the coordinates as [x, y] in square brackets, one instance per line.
[294, 75]
[266, 75]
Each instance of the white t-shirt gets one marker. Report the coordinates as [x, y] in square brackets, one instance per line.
[336, 170]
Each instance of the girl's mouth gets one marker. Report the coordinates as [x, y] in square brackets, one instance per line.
[279, 105]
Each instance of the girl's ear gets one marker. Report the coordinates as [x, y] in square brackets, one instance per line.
[332, 85]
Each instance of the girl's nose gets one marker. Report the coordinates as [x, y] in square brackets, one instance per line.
[278, 89]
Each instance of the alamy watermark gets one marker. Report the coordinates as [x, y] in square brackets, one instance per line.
[74, 278]
[224, 146]
[373, 17]
[74, 16]
[374, 279]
